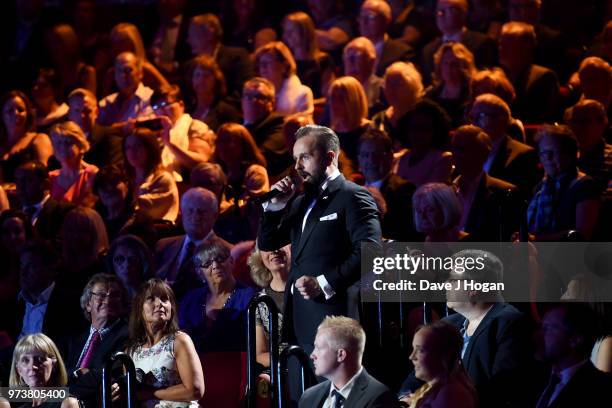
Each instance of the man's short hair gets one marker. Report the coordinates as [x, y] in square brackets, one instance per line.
[380, 7]
[493, 100]
[257, 81]
[520, 30]
[362, 43]
[473, 135]
[587, 105]
[82, 93]
[346, 333]
[562, 135]
[377, 136]
[325, 138]
[201, 193]
[106, 279]
[209, 21]
[37, 168]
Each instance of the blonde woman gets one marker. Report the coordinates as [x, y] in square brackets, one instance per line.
[314, 67]
[73, 182]
[275, 62]
[453, 71]
[38, 363]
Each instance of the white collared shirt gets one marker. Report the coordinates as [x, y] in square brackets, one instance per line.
[137, 106]
[36, 309]
[38, 207]
[344, 391]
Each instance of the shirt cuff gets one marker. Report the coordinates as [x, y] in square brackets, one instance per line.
[328, 291]
[270, 207]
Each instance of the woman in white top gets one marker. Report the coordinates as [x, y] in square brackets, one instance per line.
[171, 370]
[275, 62]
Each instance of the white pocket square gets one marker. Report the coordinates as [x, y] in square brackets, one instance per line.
[329, 217]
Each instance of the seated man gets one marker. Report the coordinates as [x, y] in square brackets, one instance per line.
[105, 304]
[122, 108]
[337, 354]
[359, 59]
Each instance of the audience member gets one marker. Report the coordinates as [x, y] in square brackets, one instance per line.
[332, 28]
[436, 355]
[116, 205]
[215, 315]
[359, 58]
[73, 182]
[104, 303]
[339, 346]
[374, 20]
[376, 162]
[424, 131]
[172, 371]
[210, 176]
[210, 93]
[19, 142]
[168, 46]
[566, 198]
[595, 76]
[47, 101]
[489, 204]
[104, 141]
[249, 23]
[437, 213]
[187, 141]
[130, 259]
[275, 62]
[537, 89]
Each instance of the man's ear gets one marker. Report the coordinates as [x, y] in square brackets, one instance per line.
[331, 157]
[341, 355]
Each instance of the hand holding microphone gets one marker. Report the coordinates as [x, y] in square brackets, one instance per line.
[282, 191]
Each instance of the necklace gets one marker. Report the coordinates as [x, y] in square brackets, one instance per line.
[222, 307]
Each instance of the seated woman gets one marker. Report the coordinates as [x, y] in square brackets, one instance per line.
[437, 213]
[131, 261]
[37, 363]
[315, 68]
[566, 198]
[425, 133]
[348, 107]
[453, 71]
[187, 141]
[215, 315]
[403, 88]
[172, 373]
[116, 201]
[269, 270]
[19, 143]
[73, 182]
[275, 62]
[436, 355]
[46, 96]
[154, 188]
[209, 92]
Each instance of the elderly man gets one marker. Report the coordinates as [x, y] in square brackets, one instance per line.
[359, 58]
[537, 89]
[451, 17]
[326, 225]
[105, 142]
[174, 255]
[339, 346]
[122, 108]
[105, 304]
[374, 21]
[489, 204]
[509, 160]
[265, 125]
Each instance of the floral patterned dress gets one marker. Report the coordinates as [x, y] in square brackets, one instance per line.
[159, 366]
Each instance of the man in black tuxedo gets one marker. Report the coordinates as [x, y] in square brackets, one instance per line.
[174, 255]
[451, 17]
[105, 304]
[375, 154]
[266, 126]
[509, 160]
[569, 332]
[105, 142]
[490, 205]
[337, 356]
[374, 21]
[46, 213]
[326, 225]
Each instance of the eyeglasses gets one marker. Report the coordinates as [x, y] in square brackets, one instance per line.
[162, 104]
[218, 259]
[120, 259]
[107, 295]
[255, 97]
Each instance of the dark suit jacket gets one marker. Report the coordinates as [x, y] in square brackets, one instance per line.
[493, 214]
[537, 95]
[86, 386]
[105, 147]
[517, 163]
[237, 67]
[328, 246]
[482, 46]
[398, 222]
[589, 387]
[392, 51]
[367, 392]
[50, 219]
[269, 137]
[167, 253]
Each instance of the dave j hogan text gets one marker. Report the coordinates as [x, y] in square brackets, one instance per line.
[426, 285]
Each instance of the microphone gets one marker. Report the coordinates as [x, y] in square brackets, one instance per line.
[266, 196]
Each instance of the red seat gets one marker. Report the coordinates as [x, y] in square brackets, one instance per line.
[224, 379]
